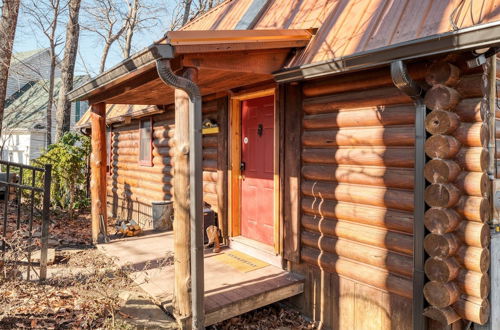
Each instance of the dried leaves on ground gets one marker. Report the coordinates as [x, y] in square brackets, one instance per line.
[80, 293]
[267, 318]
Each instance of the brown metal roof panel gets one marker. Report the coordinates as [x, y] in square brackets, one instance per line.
[223, 17]
[295, 14]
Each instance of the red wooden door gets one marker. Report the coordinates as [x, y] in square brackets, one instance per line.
[257, 153]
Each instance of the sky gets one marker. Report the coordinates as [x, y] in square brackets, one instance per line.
[90, 47]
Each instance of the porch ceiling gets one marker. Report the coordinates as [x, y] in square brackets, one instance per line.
[225, 59]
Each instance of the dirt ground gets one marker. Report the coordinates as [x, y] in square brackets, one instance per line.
[83, 288]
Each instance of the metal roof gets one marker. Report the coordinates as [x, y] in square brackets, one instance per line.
[347, 27]
[27, 107]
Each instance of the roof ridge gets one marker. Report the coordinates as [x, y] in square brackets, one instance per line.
[216, 8]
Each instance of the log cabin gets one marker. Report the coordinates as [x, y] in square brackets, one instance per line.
[355, 147]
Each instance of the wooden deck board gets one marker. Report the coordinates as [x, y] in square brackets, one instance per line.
[228, 291]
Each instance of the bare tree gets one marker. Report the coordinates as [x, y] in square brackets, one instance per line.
[108, 20]
[187, 10]
[45, 16]
[68, 69]
[8, 23]
[141, 15]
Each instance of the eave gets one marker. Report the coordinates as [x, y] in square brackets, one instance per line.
[200, 49]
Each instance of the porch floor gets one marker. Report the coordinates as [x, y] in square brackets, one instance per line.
[228, 291]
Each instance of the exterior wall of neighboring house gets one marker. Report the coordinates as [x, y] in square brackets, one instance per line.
[17, 147]
[33, 68]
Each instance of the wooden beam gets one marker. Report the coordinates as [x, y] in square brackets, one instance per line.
[182, 223]
[222, 153]
[98, 169]
[292, 175]
[264, 62]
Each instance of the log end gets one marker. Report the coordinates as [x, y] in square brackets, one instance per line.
[441, 97]
[441, 269]
[442, 73]
[444, 316]
[441, 294]
[442, 195]
[441, 171]
[441, 122]
[440, 245]
[442, 146]
[441, 220]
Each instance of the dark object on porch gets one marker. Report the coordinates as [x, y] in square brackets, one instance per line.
[209, 219]
[162, 215]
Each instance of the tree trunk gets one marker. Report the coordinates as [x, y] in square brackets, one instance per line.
[68, 69]
[8, 23]
[51, 95]
[187, 10]
[132, 25]
[104, 56]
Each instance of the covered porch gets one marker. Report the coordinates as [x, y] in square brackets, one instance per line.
[230, 290]
[186, 69]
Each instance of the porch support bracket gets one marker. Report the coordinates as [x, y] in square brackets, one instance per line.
[194, 150]
[407, 85]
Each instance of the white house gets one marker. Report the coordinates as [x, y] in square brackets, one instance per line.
[29, 66]
[24, 125]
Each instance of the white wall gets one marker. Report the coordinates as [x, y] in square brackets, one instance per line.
[17, 147]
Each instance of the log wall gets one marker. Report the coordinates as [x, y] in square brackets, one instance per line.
[132, 188]
[457, 195]
[356, 196]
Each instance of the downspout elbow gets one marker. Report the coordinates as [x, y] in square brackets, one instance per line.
[170, 78]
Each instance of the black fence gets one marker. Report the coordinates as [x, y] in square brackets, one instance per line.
[26, 187]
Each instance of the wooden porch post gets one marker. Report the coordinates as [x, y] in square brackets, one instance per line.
[98, 169]
[182, 223]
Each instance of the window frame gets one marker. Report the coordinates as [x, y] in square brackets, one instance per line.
[109, 149]
[146, 162]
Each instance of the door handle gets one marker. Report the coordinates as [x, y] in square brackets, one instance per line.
[260, 129]
[242, 166]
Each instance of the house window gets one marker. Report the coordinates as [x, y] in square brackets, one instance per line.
[77, 111]
[146, 142]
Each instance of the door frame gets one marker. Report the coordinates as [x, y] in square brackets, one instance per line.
[234, 184]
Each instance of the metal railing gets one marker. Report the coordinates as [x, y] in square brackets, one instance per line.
[28, 199]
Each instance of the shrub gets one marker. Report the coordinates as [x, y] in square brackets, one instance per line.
[69, 171]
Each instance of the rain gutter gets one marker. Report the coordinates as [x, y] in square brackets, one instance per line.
[136, 64]
[407, 85]
[475, 37]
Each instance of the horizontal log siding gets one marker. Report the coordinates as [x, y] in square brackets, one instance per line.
[132, 187]
[357, 207]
